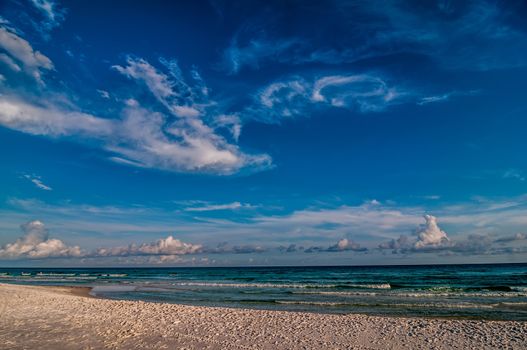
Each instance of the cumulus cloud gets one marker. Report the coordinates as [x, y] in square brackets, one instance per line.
[430, 238]
[19, 55]
[430, 235]
[345, 244]
[36, 180]
[168, 246]
[342, 245]
[35, 244]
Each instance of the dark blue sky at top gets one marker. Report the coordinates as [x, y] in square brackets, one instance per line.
[421, 110]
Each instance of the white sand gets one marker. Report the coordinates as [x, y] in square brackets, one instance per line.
[65, 318]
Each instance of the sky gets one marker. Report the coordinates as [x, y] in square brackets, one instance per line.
[241, 133]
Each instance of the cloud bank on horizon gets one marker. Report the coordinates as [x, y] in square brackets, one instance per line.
[245, 129]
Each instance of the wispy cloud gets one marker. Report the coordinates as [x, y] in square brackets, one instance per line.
[142, 137]
[215, 207]
[445, 97]
[37, 181]
[53, 15]
[256, 52]
[297, 96]
[514, 174]
[475, 35]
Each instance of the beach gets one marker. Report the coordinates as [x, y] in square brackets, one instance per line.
[34, 317]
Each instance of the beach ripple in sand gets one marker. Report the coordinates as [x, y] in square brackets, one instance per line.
[62, 318]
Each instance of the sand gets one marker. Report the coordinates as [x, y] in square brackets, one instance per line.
[34, 317]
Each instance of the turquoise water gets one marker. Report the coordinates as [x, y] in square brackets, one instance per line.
[468, 291]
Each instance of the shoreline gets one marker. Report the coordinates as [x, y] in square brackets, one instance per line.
[69, 318]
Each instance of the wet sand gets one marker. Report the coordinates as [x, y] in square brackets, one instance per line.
[34, 317]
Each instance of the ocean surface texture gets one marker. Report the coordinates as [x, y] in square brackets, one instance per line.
[467, 291]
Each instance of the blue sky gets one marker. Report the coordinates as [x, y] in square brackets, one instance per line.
[262, 133]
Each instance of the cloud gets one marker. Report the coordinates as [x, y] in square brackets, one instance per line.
[474, 35]
[366, 92]
[53, 16]
[142, 137]
[256, 52]
[360, 92]
[345, 244]
[50, 120]
[514, 174]
[20, 51]
[35, 244]
[513, 238]
[226, 248]
[159, 84]
[168, 246]
[400, 243]
[38, 182]
[431, 99]
[200, 147]
[445, 97]
[342, 245]
[430, 235]
[104, 94]
[214, 207]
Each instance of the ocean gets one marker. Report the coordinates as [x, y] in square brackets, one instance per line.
[456, 291]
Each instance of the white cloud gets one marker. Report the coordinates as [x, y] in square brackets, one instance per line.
[366, 92]
[35, 244]
[8, 61]
[361, 92]
[104, 94]
[50, 120]
[157, 83]
[213, 207]
[19, 50]
[189, 143]
[345, 244]
[445, 97]
[184, 145]
[53, 15]
[140, 138]
[38, 182]
[431, 99]
[430, 235]
[167, 246]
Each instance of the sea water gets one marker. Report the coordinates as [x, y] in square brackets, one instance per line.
[460, 291]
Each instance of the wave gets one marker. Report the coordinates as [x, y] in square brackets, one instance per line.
[277, 285]
[391, 305]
